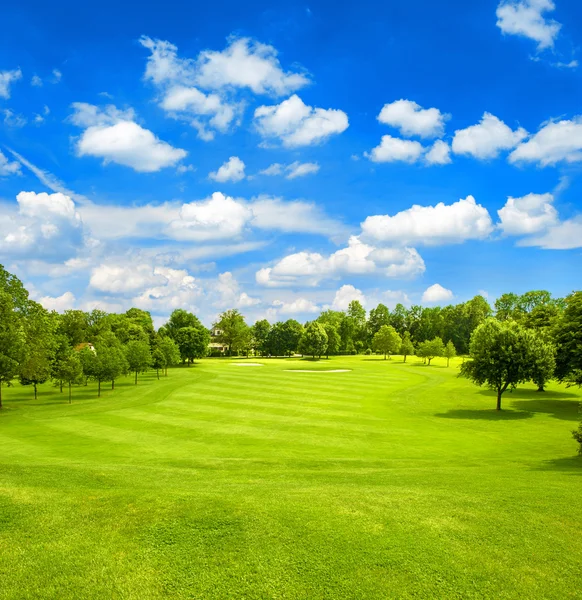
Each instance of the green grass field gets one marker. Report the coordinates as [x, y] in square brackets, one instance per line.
[388, 481]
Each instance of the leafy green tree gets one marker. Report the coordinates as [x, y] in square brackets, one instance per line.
[259, 333]
[577, 435]
[178, 319]
[333, 339]
[543, 360]
[314, 340]
[503, 354]
[39, 331]
[387, 341]
[12, 339]
[398, 318]
[407, 347]
[275, 341]
[61, 353]
[73, 324]
[158, 361]
[568, 340]
[292, 331]
[347, 331]
[111, 357]
[138, 356]
[378, 316]
[357, 314]
[11, 285]
[192, 342]
[431, 349]
[69, 369]
[450, 351]
[235, 333]
[170, 350]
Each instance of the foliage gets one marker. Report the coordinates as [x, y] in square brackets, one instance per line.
[170, 350]
[138, 356]
[259, 333]
[378, 316]
[568, 340]
[12, 339]
[192, 342]
[431, 349]
[387, 341]
[407, 347]
[235, 333]
[314, 340]
[333, 339]
[449, 352]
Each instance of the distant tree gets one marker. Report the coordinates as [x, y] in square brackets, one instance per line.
[275, 340]
[11, 285]
[158, 361]
[450, 351]
[170, 350]
[12, 340]
[568, 340]
[192, 342]
[398, 318]
[111, 357]
[73, 324]
[503, 354]
[387, 341]
[407, 347]
[378, 316]
[259, 332]
[314, 340]
[333, 339]
[431, 349]
[61, 353]
[543, 360]
[39, 331]
[356, 313]
[236, 334]
[138, 356]
[292, 331]
[178, 319]
[69, 369]
[507, 307]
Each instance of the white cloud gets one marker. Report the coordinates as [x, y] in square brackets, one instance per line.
[219, 217]
[411, 119]
[431, 225]
[291, 171]
[439, 154]
[393, 297]
[7, 167]
[345, 295]
[556, 141]
[232, 170]
[57, 76]
[393, 149]
[525, 18]
[527, 215]
[61, 303]
[228, 293]
[565, 235]
[309, 268]
[174, 288]
[12, 119]
[112, 135]
[36, 81]
[436, 293]
[296, 124]
[116, 279]
[297, 306]
[7, 78]
[487, 138]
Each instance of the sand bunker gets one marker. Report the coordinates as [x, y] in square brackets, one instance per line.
[248, 365]
[318, 370]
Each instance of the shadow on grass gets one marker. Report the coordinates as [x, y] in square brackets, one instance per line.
[566, 465]
[486, 415]
[566, 410]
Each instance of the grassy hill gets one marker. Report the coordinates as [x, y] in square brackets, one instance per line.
[390, 480]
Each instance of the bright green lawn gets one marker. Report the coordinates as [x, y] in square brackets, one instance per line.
[390, 481]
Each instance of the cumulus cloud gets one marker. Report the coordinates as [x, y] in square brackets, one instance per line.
[436, 293]
[438, 154]
[297, 306]
[487, 138]
[309, 268]
[113, 135]
[393, 297]
[530, 214]
[61, 303]
[201, 91]
[232, 170]
[345, 295]
[411, 119]
[228, 293]
[7, 78]
[45, 225]
[291, 171]
[296, 124]
[393, 149]
[565, 235]
[431, 225]
[120, 279]
[526, 18]
[555, 142]
[8, 168]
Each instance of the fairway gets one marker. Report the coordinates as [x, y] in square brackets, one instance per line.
[388, 480]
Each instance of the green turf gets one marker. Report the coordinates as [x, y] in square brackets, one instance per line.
[389, 481]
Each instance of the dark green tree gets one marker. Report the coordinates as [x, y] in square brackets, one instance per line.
[568, 340]
[314, 340]
[192, 342]
[450, 351]
[235, 333]
[407, 347]
[387, 341]
[12, 339]
[259, 333]
[138, 356]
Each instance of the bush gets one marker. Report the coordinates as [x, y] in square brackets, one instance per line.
[368, 352]
[577, 435]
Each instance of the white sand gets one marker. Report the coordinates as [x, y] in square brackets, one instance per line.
[248, 365]
[318, 370]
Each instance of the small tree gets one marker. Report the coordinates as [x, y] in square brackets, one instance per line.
[450, 351]
[407, 347]
[577, 435]
[543, 359]
[259, 332]
[158, 361]
[171, 352]
[314, 340]
[386, 340]
[431, 349]
[69, 370]
[138, 357]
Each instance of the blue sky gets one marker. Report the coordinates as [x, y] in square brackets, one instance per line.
[282, 160]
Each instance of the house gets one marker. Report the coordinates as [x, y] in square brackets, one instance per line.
[84, 345]
[216, 345]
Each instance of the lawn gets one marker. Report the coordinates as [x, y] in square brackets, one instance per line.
[389, 480]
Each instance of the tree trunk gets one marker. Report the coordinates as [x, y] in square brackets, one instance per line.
[61, 384]
[69, 392]
[35, 391]
[429, 359]
[499, 392]
[384, 355]
[0, 393]
[113, 384]
[99, 388]
[448, 359]
[136, 378]
[404, 358]
[541, 387]
[158, 372]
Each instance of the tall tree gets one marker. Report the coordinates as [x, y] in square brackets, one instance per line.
[192, 342]
[259, 332]
[12, 340]
[314, 340]
[68, 369]
[73, 324]
[170, 350]
[333, 339]
[407, 347]
[158, 361]
[181, 318]
[138, 356]
[387, 341]
[378, 316]
[235, 333]
[568, 340]
[398, 318]
[292, 331]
